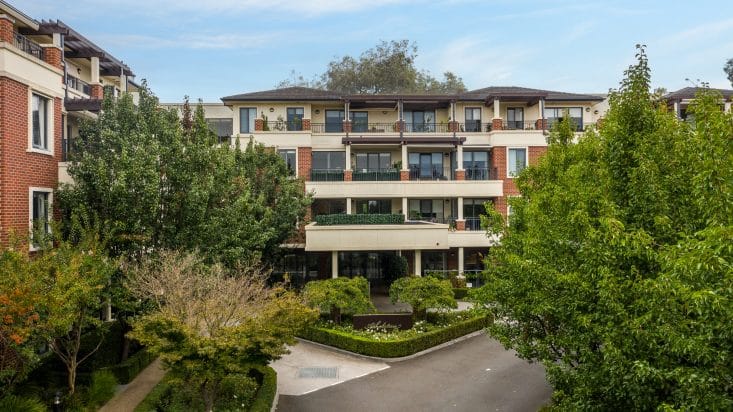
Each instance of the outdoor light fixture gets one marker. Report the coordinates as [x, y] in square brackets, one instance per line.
[318, 111]
[272, 109]
[587, 109]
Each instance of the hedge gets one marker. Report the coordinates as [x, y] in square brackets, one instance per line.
[460, 293]
[360, 219]
[395, 348]
[128, 369]
[268, 388]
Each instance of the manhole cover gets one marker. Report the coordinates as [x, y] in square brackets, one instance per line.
[316, 372]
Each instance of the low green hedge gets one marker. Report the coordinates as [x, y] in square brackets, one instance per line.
[361, 219]
[128, 369]
[460, 293]
[267, 377]
[395, 348]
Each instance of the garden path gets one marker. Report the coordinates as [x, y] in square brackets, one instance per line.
[134, 392]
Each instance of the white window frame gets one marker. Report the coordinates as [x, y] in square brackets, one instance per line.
[526, 160]
[295, 149]
[50, 130]
[32, 190]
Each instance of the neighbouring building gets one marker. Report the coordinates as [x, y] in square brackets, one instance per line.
[678, 101]
[50, 78]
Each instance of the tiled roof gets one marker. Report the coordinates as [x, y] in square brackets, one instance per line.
[691, 92]
[287, 93]
[499, 91]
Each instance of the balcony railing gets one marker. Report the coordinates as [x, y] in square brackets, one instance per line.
[450, 220]
[473, 223]
[78, 85]
[375, 175]
[431, 173]
[392, 127]
[283, 126]
[519, 125]
[28, 46]
[481, 173]
[327, 175]
[474, 127]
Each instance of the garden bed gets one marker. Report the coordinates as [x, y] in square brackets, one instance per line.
[384, 342]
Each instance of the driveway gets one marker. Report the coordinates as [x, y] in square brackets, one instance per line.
[477, 374]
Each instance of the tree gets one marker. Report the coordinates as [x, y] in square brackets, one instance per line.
[615, 271]
[339, 296]
[423, 293]
[728, 69]
[160, 182]
[210, 323]
[388, 67]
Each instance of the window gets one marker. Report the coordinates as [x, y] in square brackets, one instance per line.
[476, 165]
[295, 118]
[426, 165]
[359, 121]
[221, 127]
[420, 121]
[430, 210]
[382, 206]
[40, 106]
[517, 161]
[515, 118]
[472, 211]
[289, 157]
[473, 119]
[373, 161]
[329, 161]
[334, 121]
[433, 261]
[40, 206]
[328, 206]
[247, 119]
[555, 114]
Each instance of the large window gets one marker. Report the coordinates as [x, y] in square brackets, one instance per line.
[373, 161]
[381, 206]
[295, 118]
[359, 121]
[40, 107]
[476, 165]
[473, 119]
[516, 161]
[426, 165]
[334, 121]
[289, 157]
[222, 128]
[40, 206]
[247, 117]
[328, 161]
[420, 121]
[515, 118]
[430, 210]
[555, 114]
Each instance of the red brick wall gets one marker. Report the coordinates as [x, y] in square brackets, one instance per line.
[304, 162]
[498, 161]
[535, 152]
[6, 30]
[52, 56]
[19, 169]
[97, 91]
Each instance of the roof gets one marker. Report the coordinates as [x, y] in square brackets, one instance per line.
[18, 15]
[691, 92]
[287, 94]
[525, 92]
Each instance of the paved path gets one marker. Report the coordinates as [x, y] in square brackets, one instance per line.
[477, 374]
[134, 392]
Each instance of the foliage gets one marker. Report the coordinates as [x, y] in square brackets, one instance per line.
[388, 67]
[339, 295]
[101, 389]
[210, 322]
[460, 293]
[13, 403]
[397, 343]
[616, 269]
[360, 219]
[265, 396]
[396, 267]
[126, 370]
[160, 183]
[728, 69]
[423, 293]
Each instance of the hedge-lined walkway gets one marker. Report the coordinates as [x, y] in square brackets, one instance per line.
[134, 392]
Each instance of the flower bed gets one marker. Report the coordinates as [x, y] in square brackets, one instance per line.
[385, 342]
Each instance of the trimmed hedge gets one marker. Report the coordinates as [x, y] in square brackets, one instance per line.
[395, 348]
[267, 377]
[460, 293]
[361, 219]
[128, 369]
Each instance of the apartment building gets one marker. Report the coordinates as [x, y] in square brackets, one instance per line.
[679, 100]
[414, 171]
[51, 77]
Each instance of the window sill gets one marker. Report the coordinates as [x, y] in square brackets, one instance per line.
[40, 151]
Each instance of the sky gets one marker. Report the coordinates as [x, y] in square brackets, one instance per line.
[214, 48]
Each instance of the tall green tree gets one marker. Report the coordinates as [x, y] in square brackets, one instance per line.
[728, 69]
[388, 67]
[161, 182]
[616, 271]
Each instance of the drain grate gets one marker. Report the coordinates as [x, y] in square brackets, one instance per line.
[318, 372]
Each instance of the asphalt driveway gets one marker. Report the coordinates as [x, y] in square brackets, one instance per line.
[477, 374]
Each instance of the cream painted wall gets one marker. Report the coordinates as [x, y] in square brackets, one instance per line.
[410, 189]
[279, 109]
[376, 237]
[24, 68]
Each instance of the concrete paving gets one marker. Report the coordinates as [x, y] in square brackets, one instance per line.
[477, 374]
[134, 392]
[308, 355]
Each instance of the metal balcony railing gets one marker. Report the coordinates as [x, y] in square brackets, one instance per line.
[375, 175]
[520, 125]
[474, 126]
[327, 175]
[28, 46]
[78, 85]
[481, 173]
[283, 126]
[432, 173]
[473, 223]
[392, 127]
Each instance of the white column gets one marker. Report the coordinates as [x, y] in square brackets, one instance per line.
[405, 164]
[418, 263]
[334, 264]
[727, 107]
[497, 109]
[460, 208]
[676, 109]
[348, 205]
[56, 39]
[95, 69]
[348, 157]
[459, 153]
[405, 207]
[123, 83]
[460, 261]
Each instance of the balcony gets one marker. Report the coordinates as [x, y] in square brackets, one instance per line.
[327, 175]
[360, 219]
[78, 85]
[521, 125]
[29, 46]
[333, 189]
[427, 173]
[474, 127]
[407, 236]
[283, 126]
[393, 127]
[481, 173]
[473, 223]
[376, 175]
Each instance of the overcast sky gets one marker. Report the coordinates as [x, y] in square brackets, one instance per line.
[213, 48]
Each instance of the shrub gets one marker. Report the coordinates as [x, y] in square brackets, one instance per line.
[12, 403]
[265, 396]
[339, 295]
[393, 348]
[128, 369]
[101, 389]
[460, 293]
[423, 293]
[360, 219]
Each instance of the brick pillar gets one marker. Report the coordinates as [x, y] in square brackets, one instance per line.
[347, 126]
[306, 124]
[404, 175]
[460, 175]
[347, 175]
[535, 152]
[6, 28]
[497, 124]
[461, 225]
[453, 126]
[259, 125]
[541, 124]
[52, 56]
[97, 91]
[304, 162]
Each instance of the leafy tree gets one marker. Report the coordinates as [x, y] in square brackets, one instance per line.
[728, 69]
[616, 269]
[210, 323]
[388, 67]
[423, 293]
[160, 182]
[338, 296]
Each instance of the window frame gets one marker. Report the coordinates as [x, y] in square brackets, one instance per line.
[509, 175]
[31, 208]
[251, 126]
[578, 127]
[286, 152]
[476, 122]
[48, 124]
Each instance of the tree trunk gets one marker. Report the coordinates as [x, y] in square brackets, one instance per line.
[71, 376]
[336, 315]
[125, 340]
